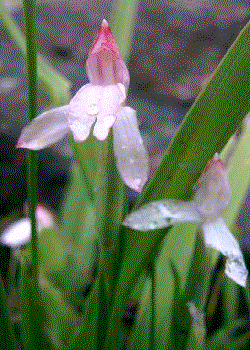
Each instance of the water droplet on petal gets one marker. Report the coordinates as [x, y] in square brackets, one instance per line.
[137, 182]
[92, 109]
[131, 161]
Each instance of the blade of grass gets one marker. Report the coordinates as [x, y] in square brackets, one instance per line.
[54, 83]
[207, 127]
[7, 338]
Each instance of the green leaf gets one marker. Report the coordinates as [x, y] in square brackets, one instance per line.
[61, 321]
[7, 338]
[54, 83]
[86, 337]
[213, 118]
[141, 332]
[32, 312]
[86, 155]
[234, 336]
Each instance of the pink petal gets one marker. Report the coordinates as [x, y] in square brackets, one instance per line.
[17, 233]
[105, 65]
[91, 102]
[44, 217]
[46, 129]
[112, 98]
[84, 107]
[131, 155]
[213, 190]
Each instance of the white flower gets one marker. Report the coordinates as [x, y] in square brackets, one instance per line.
[98, 103]
[19, 233]
[212, 196]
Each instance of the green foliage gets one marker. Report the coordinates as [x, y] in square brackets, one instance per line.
[91, 232]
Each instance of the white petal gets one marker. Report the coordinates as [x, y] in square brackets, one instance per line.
[161, 214]
[46, 129]
[17, 234]
[84, 107]
[218, 236]
[112, 98]
[103, 126]
[131, 155]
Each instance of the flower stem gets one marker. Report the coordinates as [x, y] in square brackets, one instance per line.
[110, 201]
[152, 324]
[30, 25]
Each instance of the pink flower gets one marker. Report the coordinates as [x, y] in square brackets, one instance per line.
[212, 189]
[19, 233]
[212, 196]
[98, 102]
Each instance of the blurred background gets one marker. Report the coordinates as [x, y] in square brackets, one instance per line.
[176, 46]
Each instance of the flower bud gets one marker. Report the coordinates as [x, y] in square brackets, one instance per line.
[212, 190]
[105, 65]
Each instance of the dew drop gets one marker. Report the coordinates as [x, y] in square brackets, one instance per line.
[92, 109]
[131, 161]
[137, 182]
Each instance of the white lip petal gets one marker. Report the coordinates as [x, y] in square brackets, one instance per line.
[112, 98]
[46, 129]
[218, 236]
[161, 214]
[131, 155]
[17, 234]
[84, 108]
[102, 126]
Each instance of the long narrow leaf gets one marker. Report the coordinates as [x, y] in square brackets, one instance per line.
[209, 124]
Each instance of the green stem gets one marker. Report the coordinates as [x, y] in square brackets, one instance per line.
[109, 203]
[7, 338]
[30, 25]
[152, 323]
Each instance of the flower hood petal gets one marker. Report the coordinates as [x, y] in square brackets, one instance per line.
[46, 129]
[105, 65]
[131, 155]
[212, 189]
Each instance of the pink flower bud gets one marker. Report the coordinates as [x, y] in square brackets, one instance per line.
[105, 65]
[213, 190]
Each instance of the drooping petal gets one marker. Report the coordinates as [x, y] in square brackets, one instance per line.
[46, 129]
[161, 214]
[105, 65]
[17, 233]
[218, 236]
[213, 190]
[131, 155]
[112, 98]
